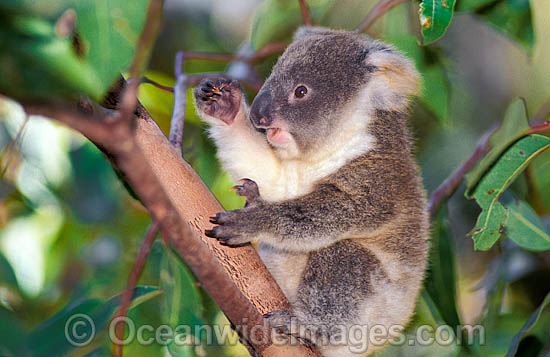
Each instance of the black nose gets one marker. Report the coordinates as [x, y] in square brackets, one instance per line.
[260, 111]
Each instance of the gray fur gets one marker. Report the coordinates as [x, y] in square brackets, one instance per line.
[359, 228]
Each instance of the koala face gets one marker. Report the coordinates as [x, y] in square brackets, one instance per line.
[304, 98]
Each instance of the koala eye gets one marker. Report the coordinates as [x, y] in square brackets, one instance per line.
[300, 91]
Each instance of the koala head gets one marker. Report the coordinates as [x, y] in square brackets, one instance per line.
[321, 78]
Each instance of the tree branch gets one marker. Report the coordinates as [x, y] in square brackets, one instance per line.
[305, 13]
[376, 12]
[449, 186]
[177, 199]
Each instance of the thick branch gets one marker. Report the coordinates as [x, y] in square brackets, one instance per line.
[177, 199]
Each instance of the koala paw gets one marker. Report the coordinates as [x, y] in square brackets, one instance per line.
[285, 322]
[231, 228]
[220, 98]
[249, 190]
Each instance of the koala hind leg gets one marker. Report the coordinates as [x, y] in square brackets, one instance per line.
[338, 280]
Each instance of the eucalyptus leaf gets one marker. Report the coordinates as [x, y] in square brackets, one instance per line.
[182, 303]
[525, 228]
[441, 278]
[529, 326]
[493, 218]
[39, 62]
[511, 17]
[435, 18]
[514, 126]
[53, 337]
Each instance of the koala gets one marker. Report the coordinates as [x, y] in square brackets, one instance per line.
[335, 200]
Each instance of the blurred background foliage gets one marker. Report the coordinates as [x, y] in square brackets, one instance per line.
[69, 232]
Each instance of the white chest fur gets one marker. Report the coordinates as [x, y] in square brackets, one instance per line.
[245, 153]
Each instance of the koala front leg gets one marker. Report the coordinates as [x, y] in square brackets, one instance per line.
[242, 150]
[306, 223]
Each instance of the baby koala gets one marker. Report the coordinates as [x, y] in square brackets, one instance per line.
[335, 200]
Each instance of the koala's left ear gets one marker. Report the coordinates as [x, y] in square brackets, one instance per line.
[394, 79]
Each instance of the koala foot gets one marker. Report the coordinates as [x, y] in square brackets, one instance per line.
[249, 190]
[284, 321]
[220, 98]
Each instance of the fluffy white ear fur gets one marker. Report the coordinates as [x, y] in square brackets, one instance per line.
[394, 82]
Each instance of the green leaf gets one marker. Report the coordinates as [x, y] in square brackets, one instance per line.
[514, 126]
[489, 226]
[13, 335]
[109, 30]
[525, 228]
[435, 18]
[86, 317]
[182, 303]
[35, 63]
[511, 17]
[441, 278]
[494, 215]
[529, 326]
[276, 20]
[38, 62]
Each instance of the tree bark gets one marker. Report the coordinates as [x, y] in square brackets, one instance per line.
[178, 199]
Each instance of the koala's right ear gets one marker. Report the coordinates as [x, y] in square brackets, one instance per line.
[306, 31]
[395, 78]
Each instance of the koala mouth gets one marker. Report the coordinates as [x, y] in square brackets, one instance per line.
[278, 136]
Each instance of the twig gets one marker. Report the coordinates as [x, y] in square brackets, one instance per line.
[305, 13]
[10, 148]
[152, 22]
[136, 272]
[180, 102]
[146, 80]
[266, 51]
[376, 12]
[539, 128]
[449, 186]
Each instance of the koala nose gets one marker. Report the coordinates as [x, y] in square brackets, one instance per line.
[260, 111]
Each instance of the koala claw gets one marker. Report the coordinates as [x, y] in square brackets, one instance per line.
[227, 232]
[220, 98]
[285, 322]
[248, 189]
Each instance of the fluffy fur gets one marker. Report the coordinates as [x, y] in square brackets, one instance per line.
[340, 216]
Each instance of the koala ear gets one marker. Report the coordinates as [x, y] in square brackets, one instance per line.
[394, 78]
[306, 31]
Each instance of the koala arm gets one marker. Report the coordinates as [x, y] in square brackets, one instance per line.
[331, 212]
[242, 151]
